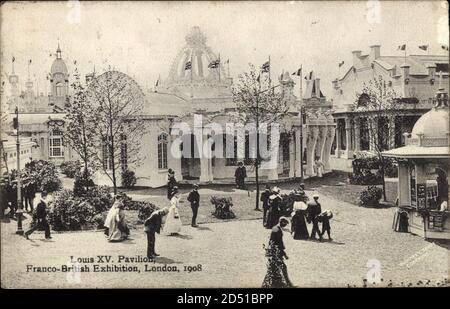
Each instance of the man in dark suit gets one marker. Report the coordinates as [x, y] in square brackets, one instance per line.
[240, 174]
[194, 199]
[313, 210]
[151, 226]
[41, 218]
[265, 195]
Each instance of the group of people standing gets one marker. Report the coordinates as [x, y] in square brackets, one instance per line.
[304, 212]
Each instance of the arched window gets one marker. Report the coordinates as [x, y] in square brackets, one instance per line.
[162, 151]
[55, 142]
[59, 90]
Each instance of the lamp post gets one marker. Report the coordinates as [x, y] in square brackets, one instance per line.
[19, 193]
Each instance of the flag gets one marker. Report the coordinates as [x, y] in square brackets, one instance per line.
[29, 62]
[228, 61]
[341, 63]
[423, 47]
[214, 64]
[298, 72]
[265, 67]
[401, 47]
[188, 66]
[445, 47]
[309, 76]
[13, 59]
[157, 83]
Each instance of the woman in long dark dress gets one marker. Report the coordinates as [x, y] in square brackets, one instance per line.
[298, 222]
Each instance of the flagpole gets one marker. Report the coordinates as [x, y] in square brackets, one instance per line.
[228, 64]
[192, 90]
[270, 82]
[301, 123]
[219, 67]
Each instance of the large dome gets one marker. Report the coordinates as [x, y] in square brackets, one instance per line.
[434, 124]
[200, 56]
[59, 66]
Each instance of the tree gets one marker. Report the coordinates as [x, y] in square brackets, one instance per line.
[117, 102]
[382, 105]
[258, 103]
[80, 125]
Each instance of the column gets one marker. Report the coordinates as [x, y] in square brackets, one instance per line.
[292, 155]
[338, 140]
[391, 128]
[356, 124]
[348, 138]
[313, 132]
[327, 149]
[205, 161]
[403, 184]
[373, 132]
[298, 149]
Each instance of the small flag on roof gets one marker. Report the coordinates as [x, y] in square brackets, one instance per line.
[298, 72]
[214, 64]
[341, 63]
[188, 66]
[423, 47]
[401, 47]
[265, 67]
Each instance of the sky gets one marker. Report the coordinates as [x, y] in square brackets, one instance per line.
[143, 38]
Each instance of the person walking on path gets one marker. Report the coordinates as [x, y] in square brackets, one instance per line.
[41, 218]
[325, 217]
[173, 222]
[151, 226]
[274, 212]
[313, 210]
[265, 195]
[277, 275]
[194, 199]
[298, 223]
[240, 174]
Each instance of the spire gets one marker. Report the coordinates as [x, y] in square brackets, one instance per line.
[58, 52]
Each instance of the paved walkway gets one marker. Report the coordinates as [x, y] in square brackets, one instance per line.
[231, 255]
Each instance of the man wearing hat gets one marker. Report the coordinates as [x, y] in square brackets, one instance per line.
[194, 199]
[41, 217]
[240, 175]
[151, 226]
[265, 195]
[313, 210]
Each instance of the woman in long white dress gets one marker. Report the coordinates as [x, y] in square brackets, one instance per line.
[115, 223]
[173, 220]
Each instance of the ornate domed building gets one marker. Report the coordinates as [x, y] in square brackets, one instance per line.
[423, 167]
[198, 86]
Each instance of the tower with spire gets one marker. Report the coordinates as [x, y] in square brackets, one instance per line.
[59, 81]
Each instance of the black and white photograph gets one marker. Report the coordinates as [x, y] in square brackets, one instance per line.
[224, 144]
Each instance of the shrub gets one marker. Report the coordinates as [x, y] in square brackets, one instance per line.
[44, 175]
[70, 168]
[371, 196]
[222, 207]
[99, 197]
[82, 184]
[366, 171]
[70, 213]
[145, 210]
[128, 179]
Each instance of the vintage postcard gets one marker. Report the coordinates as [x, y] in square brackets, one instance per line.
[224, 144]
